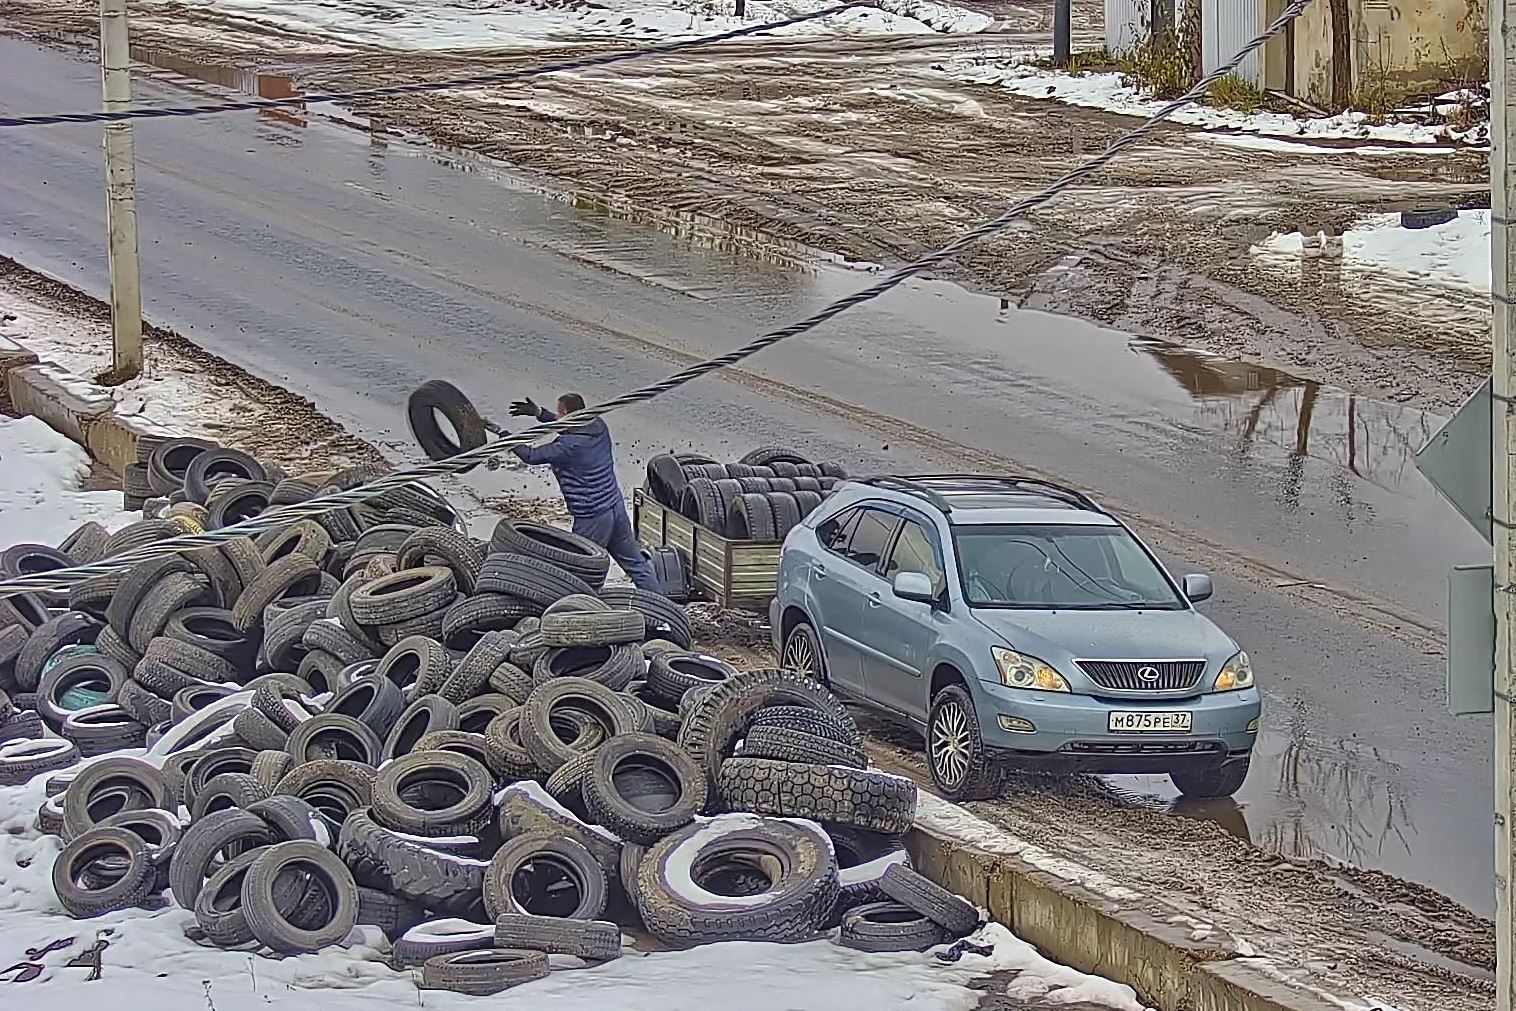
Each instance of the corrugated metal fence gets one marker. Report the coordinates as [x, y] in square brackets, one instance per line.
[1227, 26]
[1126, 23]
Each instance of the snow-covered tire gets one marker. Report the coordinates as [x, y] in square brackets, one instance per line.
[642, 787]
[876, 801]
[862, 859]
[85, 671]
[592, 939]
[290, 818]
[529, 858]
[438, 937]
[22, 758]
[442, 882]
[265, 907]
[526, 807]
[905, 886]
[795, 857]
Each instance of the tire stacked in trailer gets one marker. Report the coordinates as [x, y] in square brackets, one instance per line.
[480, 748]
[757, 498]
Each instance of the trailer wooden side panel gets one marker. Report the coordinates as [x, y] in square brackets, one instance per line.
[731, 573]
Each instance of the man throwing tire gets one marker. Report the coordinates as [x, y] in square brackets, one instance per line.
[584, 463]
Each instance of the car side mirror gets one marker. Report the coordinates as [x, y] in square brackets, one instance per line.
[1197, 587]
[914, 586]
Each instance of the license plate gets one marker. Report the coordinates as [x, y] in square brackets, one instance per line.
[1149, 723]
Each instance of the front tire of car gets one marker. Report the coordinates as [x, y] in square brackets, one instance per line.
[802, 654]
[955, 754]
[1211, 781]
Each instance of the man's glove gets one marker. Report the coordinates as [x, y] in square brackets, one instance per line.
[525, 409]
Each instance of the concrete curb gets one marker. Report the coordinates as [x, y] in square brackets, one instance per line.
[72, 406]
[1092, 933]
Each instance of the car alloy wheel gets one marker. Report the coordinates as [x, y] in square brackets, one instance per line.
[952, 743]
[800, 653]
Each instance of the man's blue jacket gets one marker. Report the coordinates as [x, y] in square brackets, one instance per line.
[584, 463]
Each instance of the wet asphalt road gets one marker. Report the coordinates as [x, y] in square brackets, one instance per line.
[351, 270]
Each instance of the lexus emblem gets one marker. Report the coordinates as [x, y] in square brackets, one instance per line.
[1148, 673]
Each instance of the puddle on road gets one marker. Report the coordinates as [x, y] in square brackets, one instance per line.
[247, 82]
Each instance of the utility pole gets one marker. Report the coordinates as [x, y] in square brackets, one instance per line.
[1503, 472]
[1061, 32]
[120, 194]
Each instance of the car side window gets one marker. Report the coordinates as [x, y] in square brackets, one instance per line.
[871, 536]
[833, 533]
[916, 551]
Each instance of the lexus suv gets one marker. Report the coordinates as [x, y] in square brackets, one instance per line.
[1015, 624]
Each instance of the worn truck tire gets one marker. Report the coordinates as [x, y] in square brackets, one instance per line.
[785, 745]
[379, 858]
[876, 801]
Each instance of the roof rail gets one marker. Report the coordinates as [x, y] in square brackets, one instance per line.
[910, 488]
[1052, 488]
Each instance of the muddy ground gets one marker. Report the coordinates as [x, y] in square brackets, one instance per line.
[862, 149]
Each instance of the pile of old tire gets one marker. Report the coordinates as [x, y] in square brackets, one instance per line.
[757, 498]
[299, 755]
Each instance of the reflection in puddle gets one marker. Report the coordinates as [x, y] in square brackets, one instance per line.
[1371, 440]
[247, 82]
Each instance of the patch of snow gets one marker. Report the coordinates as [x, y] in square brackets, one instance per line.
[472, 24]
[1456, 253]
[679, 865]
[937, 815]
[451, 929]
[874, 869]
[1115, 92]
[41, 473]
[1256, 142]
[538, 794]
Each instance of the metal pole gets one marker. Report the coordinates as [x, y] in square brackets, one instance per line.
[1061, 19]
[120, 194]
[1503, 471]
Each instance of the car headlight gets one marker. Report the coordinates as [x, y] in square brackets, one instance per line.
[1017, 670]
[1235, 673]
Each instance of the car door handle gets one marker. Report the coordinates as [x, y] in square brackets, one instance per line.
[818, 570]
[875, 600]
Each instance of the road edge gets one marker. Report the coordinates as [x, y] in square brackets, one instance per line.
[1169, 964]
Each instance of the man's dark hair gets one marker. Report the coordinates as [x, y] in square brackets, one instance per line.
[572, 401]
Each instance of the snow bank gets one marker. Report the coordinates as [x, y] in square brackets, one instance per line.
[1455, 254]
[488, 24]
[1114, 92]
[41, 473]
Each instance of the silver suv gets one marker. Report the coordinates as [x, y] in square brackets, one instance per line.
[1015, 623]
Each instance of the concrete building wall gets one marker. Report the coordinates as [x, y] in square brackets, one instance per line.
[1410, 45]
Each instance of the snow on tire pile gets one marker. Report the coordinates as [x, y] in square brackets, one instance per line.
[477, 748]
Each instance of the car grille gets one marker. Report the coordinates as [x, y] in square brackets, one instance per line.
[1127, 675]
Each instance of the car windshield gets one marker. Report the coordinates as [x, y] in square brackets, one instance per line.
[1049, 566]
